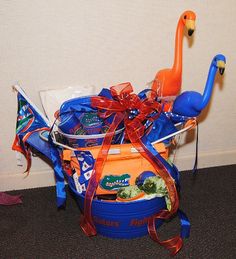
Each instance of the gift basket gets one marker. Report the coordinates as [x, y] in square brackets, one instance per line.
[113, 150]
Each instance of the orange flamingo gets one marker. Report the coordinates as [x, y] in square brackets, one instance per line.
[167, 82]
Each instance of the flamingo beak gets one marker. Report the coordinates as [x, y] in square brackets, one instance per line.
[190, 25]
[221, 66]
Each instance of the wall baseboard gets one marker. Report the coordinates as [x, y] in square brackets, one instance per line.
[207, 159]
[33, 180]
[10, 181]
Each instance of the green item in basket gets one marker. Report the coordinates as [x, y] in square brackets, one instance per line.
[154, 185]
[128, 192]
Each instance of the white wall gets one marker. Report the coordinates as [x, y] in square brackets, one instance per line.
[55, 43]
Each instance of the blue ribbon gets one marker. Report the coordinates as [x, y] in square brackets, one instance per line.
[196, 153]
[59, 173]
[185, 224]
[172, 169]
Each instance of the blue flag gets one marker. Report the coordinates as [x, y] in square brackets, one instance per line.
[30, 122]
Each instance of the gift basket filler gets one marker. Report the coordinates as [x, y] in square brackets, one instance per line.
[113, 149]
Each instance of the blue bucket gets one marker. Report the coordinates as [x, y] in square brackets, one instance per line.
[124, 220]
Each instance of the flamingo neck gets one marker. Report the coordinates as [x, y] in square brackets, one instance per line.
[209, 86]
[177, 66]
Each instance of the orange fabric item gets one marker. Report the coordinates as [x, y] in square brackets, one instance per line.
[125, 162]
[167, 82]
[66, 155]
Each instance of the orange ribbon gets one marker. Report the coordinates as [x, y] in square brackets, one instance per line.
[25, 148]
[123, 104]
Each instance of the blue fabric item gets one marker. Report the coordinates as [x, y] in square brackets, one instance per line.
[72, 186]
[40, 145]
[81, 104]
[143, 94]
[106, 93]
[76, 105]
[175, 118]
[60, 193]
[86, 163]
[160, 128]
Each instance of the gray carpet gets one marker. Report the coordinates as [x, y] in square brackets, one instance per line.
[36, 229]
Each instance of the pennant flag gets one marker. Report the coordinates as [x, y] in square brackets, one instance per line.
[29, 120]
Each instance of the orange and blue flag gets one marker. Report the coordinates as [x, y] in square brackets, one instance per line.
[30, 122]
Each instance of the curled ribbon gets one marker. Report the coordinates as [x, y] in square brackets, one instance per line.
[24, 148]
[128, 107]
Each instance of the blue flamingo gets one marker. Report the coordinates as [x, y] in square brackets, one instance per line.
[191, 103]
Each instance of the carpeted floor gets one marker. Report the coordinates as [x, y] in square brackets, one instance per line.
[36, 229]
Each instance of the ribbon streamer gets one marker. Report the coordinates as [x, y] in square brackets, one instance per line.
[124, 102]
[59, 173]
[124, 105]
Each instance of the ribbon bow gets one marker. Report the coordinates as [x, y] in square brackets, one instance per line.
[130, 107]
[134, 112]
